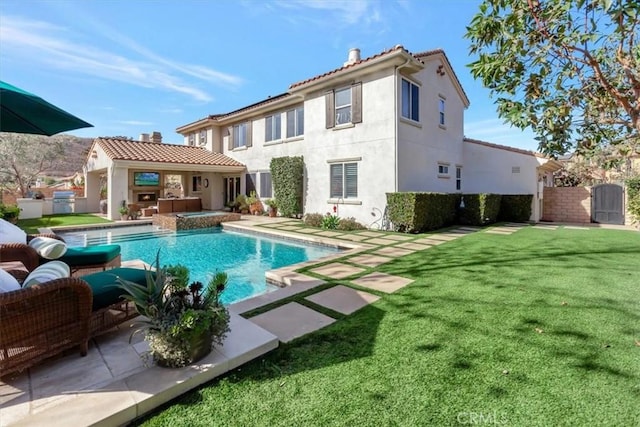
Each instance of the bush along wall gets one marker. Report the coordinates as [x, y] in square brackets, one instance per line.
[633, 194]
[287, 174]
[480, 209]
[411, 212]
[515, 207]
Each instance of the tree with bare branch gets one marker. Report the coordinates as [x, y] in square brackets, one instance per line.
[24, 157]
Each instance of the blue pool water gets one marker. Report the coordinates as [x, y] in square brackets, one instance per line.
[244, 257]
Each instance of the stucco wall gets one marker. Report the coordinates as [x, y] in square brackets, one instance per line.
[422, 145]
[370, 144]
[567, 204]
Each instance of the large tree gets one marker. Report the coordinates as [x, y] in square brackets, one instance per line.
[567, 69]
[24, 157]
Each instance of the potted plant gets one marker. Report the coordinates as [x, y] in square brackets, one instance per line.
[183, 320]
[273, 207]
[124, 211]
[241, 203]
[255, 205]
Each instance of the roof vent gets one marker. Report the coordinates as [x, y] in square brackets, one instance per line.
[144, 137]
[354, 56]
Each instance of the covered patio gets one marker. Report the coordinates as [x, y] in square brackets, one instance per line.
[146, 173]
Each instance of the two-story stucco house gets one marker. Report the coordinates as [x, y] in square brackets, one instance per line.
[390, 122]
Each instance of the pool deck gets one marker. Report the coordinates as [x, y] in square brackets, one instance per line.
[113, 385]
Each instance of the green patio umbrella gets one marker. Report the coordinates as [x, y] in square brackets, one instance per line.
[24, 112]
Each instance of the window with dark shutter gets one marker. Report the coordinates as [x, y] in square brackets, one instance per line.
[330, 109]
[356, 103]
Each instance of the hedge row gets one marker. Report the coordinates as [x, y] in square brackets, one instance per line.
[413, 212]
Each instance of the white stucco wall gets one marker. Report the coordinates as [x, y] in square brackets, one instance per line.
[421, 146]
[370, 144]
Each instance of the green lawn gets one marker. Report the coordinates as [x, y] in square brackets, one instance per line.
[31, 225]
[536, 328]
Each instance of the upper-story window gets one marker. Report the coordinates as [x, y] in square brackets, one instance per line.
[192, 139]
[344, 106]
[410, 101]
[272, 127]
[295, 122]
[203, 137]
[240, 136]
[441, 111]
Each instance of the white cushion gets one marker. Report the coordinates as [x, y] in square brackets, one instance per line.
[47, 272]
[48, 247]
[8, 283]
[10, 233]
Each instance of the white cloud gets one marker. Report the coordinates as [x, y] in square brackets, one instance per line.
[51, 45]
[171, 110]
[343, 12]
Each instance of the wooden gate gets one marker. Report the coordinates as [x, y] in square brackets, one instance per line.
[607, 204]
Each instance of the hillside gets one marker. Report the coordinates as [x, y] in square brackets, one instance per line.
[75, 156]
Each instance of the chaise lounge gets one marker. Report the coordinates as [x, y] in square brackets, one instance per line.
[78, 258]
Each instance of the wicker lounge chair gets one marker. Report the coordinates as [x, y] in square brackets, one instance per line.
[44, 320]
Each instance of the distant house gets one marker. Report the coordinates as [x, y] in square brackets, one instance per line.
[390, 122]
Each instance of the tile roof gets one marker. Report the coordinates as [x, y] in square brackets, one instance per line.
[346, 67]
[126, 149]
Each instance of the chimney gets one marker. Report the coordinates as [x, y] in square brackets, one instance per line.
[156, 137]
[144, 137]
[354, 56]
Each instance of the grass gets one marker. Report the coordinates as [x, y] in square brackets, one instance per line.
[536, 328]
[31, 226]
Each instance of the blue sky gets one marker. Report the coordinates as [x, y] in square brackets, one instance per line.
[137, 66]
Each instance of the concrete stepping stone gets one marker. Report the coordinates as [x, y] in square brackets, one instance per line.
[503, 232]
[337, 270]
[413, 246]
[369, 260]
[398, 237]
[393, 251]
[371, 233]
[296, 285]
[291, 321]
[382, 282]
[354, 237]
[443, 237]
[289, 227]
[343, 299]
[575, 227]
[380, 241]
[329, 234]
[546, 227]
[427, 241]
[469, 228]
[309, 230]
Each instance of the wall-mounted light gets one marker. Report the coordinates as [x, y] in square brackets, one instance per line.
[94, 154]
[440, 70]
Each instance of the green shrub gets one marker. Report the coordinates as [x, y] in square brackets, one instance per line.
[480, 209]
[313, 220]
[287, 174]
[633, 195]
[330, 222]
[515, 207]
[411, 212]
[9, 212]
[349, 224]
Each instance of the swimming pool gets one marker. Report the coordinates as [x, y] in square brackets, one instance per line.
[244, 257]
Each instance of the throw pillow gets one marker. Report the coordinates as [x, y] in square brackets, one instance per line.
[48, 248]
[47, 272]
[10, 233]
[8, 283]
